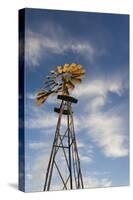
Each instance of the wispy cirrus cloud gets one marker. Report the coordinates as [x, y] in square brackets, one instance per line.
[109, 130]
[109, 133]
[95, 182]
[100, 87]
[42, 45]
[37, 145]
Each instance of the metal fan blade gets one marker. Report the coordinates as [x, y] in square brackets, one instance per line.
[41, 97]
[79, 66]
[41, 100]
[48, 77]
[66, 68]
[49, 81]
[58, 90]
[62, 79]
[77, 76]
[60, 70]
[53, 87]
[78, 71]
[72, 67]
[53, 72]
[70, 85]
[52, 84]
[76, 80]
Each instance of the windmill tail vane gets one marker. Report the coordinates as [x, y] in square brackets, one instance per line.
[64, 150]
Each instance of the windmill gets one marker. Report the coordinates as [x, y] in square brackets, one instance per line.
[60, 82]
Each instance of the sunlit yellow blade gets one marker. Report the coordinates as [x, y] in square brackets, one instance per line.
[76, 80]
[41, 93]
[66, 68]
[76, 68]
[41, 97]
[59, 68]
[53, 72]
[79, 66]
[78, 76]
[72, 67]
[78, 71]
[70, 85]
[61, 79]
[40, 101]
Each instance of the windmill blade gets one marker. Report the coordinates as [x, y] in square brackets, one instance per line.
[72, 67]
[41, 100]
[70, 85]
[53, 72]
[76, 80]
[78, 71]
[48, 77]
[41, 97]
[62, 79]
[59, 69]
[66, 68]
[79, 66]
[42, 92]
[52, 84]
[49, 81]
[58, 89]
[78, 76]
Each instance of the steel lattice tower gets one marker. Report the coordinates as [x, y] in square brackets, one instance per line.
[64, 141]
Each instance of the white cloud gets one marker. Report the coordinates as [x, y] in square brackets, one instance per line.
[86, 159]
[99, 87]
[109, 133]
[37, 145]
[97, 103]
[94, 182]
[37, 174]
[86, 152]
[108, 129]
[31, 96]
[42, 45]
[48, 120]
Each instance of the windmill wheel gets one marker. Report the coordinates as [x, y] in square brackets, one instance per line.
[61, 81]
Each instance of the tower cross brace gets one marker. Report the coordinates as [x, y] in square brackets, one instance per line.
[66, 143]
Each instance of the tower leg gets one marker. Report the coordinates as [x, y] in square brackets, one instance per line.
[73, 179]
[69, 149]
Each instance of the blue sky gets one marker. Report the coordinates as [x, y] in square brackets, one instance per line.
[100, 43]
